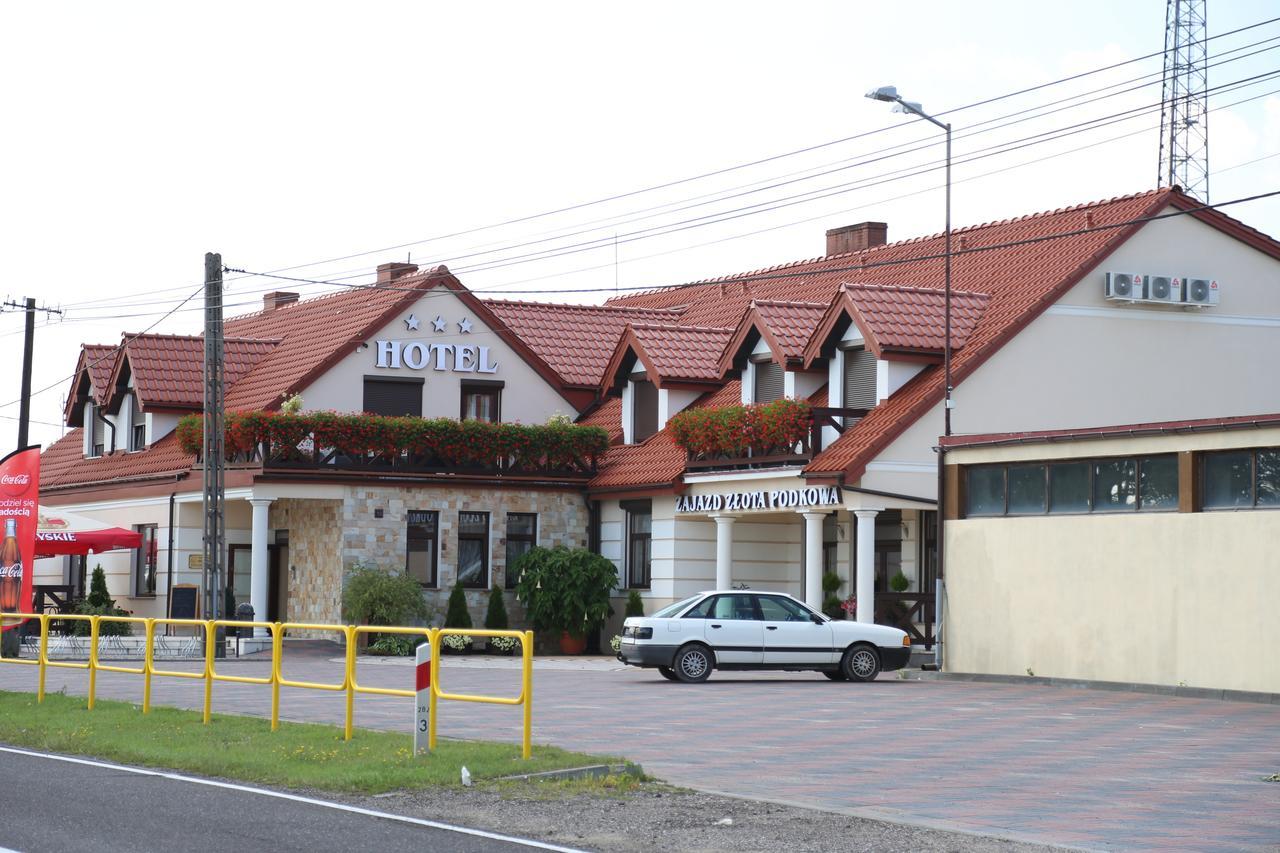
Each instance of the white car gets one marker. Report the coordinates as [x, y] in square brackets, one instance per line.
[734, 629]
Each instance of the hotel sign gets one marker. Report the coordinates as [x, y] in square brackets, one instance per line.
[773, 499]
[418, 355]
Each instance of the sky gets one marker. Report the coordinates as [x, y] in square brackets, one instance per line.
[317, 140]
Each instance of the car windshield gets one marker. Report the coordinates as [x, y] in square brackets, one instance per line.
[672, 609]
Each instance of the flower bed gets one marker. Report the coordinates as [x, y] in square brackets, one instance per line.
[283, 437]
[732, 431]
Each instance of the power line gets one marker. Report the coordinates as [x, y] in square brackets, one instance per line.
[761, 161]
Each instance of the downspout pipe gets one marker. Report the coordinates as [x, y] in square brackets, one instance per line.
[97, 413]
[939, 583]
[168, 590]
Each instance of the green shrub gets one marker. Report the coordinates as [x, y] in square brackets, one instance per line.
[566, 589]
[496, 616]
[372, 596]
[899, 583]
[457, 616]
[100, 603]
[635, 605]
[394, 645]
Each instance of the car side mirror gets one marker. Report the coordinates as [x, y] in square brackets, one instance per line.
[817, 620]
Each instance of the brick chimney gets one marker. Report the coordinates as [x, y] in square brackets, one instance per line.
[279, 299]
[855, 238]
[388, 273]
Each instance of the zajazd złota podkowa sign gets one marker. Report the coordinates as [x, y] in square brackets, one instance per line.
[772, 499]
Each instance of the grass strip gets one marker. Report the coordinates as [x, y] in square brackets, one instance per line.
[299, 755]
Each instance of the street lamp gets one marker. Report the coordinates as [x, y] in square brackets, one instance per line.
[890, 93]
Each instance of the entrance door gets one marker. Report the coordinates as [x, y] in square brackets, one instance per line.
[791, 635]
[239, 580]
[734, 630]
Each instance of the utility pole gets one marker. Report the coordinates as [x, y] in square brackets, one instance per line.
[213, 450]
[24, 410]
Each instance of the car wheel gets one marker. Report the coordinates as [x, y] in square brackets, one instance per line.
[834, 674]
[692, 664]
[668, 673]
[860, 663]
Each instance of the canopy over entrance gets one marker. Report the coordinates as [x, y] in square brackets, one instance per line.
[60, 533]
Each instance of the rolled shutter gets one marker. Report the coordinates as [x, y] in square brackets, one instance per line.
[387, 397]
[769, 384]
[859, 379]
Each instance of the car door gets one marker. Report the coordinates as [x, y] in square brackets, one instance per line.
[790, 634]
[734, 630]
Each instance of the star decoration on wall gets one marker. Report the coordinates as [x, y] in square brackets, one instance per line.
[440, 323]
[412, 323]
[464, 326]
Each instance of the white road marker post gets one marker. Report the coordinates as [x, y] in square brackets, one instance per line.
[421, 702]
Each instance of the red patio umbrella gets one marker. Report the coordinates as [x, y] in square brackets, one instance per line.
[61, 533]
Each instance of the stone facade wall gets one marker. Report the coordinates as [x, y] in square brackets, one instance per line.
[326, 537]
[316, 559]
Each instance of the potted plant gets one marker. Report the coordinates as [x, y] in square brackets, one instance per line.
[99, 603]
[635, 605]
[457, 616]
[566, 591]
[495, 619]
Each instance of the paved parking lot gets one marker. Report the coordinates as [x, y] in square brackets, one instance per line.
[1072, 767]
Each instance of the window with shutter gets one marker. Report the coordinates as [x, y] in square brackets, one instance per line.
[393, 396]
[768, 382]
[644, 410]
[859, 379]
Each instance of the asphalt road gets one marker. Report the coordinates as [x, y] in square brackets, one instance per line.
[54, 805]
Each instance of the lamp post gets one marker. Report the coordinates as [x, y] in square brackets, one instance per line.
[890, 94]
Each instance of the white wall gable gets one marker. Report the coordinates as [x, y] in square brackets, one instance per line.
[464, 348]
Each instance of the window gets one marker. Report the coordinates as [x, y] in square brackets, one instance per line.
[393, 396]
[829, 537]
[768, 382]
[422, 532]
[644, 410]
[481, 401]
[1242, 479]
[137, 425]
[639, 544]
[522, 535]
[473, 549]
[859, 379]
[1140, 483]
[776, 609]
[96, 427]
[739, 607]
[144, 562]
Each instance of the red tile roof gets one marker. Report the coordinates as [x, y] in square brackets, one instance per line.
[790, 323]
[63, 465]
[607, 415]
[682, 353]
[576, 340]
[168, 370]
[94, 366]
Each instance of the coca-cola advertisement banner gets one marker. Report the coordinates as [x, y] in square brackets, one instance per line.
[19, 514]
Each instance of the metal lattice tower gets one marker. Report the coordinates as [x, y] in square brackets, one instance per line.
[1184, 113]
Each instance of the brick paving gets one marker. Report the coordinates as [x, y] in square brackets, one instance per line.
[1084, 768]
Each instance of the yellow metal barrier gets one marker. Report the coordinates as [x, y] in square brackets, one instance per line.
[526, 683]
[209, 674]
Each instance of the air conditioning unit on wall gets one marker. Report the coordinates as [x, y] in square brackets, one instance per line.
[1126, 287]
[1164, 288]
[1200, 291]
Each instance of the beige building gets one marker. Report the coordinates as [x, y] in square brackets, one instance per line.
[1147, 553]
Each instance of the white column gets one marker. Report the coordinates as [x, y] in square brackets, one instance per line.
[724, 550]
[866, 564]
[259, 571]
[813, 558]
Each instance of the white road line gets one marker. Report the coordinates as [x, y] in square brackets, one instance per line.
[280, 795]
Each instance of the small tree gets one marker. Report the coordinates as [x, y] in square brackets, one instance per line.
[496, 616]
[100, 603]
[372, 596]
[635, 605]
[457, 616]
[831, 584]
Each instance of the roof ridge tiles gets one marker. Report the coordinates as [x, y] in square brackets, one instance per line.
[909, 288]
[680, 328]
[578, 306]
[792, 303]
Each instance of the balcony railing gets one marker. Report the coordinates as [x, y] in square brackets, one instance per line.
[801, 452]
